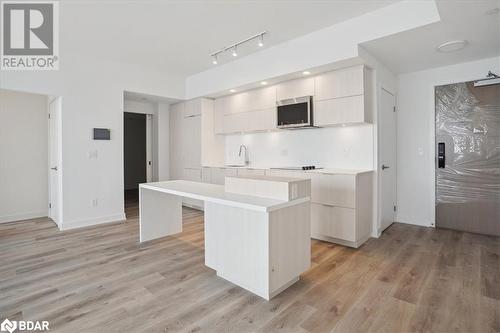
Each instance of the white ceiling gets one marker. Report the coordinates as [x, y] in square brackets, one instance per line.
[178, 36]
[476, 21]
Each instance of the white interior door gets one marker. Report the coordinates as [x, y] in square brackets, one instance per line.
[387, 159]
[54, 160]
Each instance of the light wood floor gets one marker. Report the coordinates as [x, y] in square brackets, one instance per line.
[100, 279]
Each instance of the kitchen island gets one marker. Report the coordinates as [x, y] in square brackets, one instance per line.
[257, 229]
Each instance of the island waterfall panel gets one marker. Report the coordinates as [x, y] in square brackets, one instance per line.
[468, 157]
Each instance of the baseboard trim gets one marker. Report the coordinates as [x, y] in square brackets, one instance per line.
[92, 222]
[21, 217]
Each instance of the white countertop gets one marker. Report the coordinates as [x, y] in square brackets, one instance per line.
[272, 178]
[329, 171]
[216, 193]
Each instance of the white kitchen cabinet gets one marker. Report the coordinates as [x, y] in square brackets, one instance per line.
[206, 175]
[212, 144]
[191, 144]
[192, 107]
[253, 121]
[295, 88]
[336, 190]
[344, 110]
[334, 222]
[176, 113]
[341, 205]
[344, 97]
[252, 100]
[219, 174]
[250, 172]
[185, 144]
[340, 83]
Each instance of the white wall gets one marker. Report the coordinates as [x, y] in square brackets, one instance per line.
[416, 151]
[23, 156]
[92, 96]
[349, 147]
[162, 137]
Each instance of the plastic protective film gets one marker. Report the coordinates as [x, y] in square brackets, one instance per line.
[468, 123]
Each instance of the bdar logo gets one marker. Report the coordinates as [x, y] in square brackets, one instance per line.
[8, 326]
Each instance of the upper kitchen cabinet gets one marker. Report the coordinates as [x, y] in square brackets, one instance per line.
[295, 88]
[192, 108]
[247, 101]
[248, 111]
[340, 83]
[343, 97]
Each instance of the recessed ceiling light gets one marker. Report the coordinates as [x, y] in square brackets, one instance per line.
[263, 83]
[452, 46]
[306, 72]
[232, 90]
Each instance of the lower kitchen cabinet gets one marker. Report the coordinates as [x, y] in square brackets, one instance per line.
[334, 222]
[219, 174]
[341, 205]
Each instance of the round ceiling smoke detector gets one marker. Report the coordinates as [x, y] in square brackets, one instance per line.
[452, 46]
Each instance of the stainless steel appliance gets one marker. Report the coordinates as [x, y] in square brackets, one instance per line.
[295, 113]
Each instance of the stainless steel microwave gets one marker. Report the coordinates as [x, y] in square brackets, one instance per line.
[295, 113]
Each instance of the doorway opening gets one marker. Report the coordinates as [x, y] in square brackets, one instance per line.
[137, 157]
[30, 150]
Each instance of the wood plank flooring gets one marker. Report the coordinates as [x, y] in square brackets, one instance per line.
[100, 279]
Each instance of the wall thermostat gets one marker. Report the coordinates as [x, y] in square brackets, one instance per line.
[102, 134]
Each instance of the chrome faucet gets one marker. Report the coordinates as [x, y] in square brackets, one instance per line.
[241, 147]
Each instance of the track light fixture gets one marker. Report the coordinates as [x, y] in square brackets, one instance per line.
[261, 40]
[233, 47]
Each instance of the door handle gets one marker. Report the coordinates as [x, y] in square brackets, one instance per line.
[441, 155]
[54, 168]
[385, 167]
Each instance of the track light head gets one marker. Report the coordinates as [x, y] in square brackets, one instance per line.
[261, 41]
[214, 59]
[234, 53]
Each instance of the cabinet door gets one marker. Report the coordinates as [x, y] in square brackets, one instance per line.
[340, 83]
[218, 120]
[337, 190]
[176, 140]
[251, 172]
[206, 175]
[192, 174]
[295, 88]
[192, 107]
[219, 175]
[191, 130]
[338, 111]
[252, 100]
[253, 121]
[336, 222]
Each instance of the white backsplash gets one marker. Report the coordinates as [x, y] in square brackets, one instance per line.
[349, 147]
